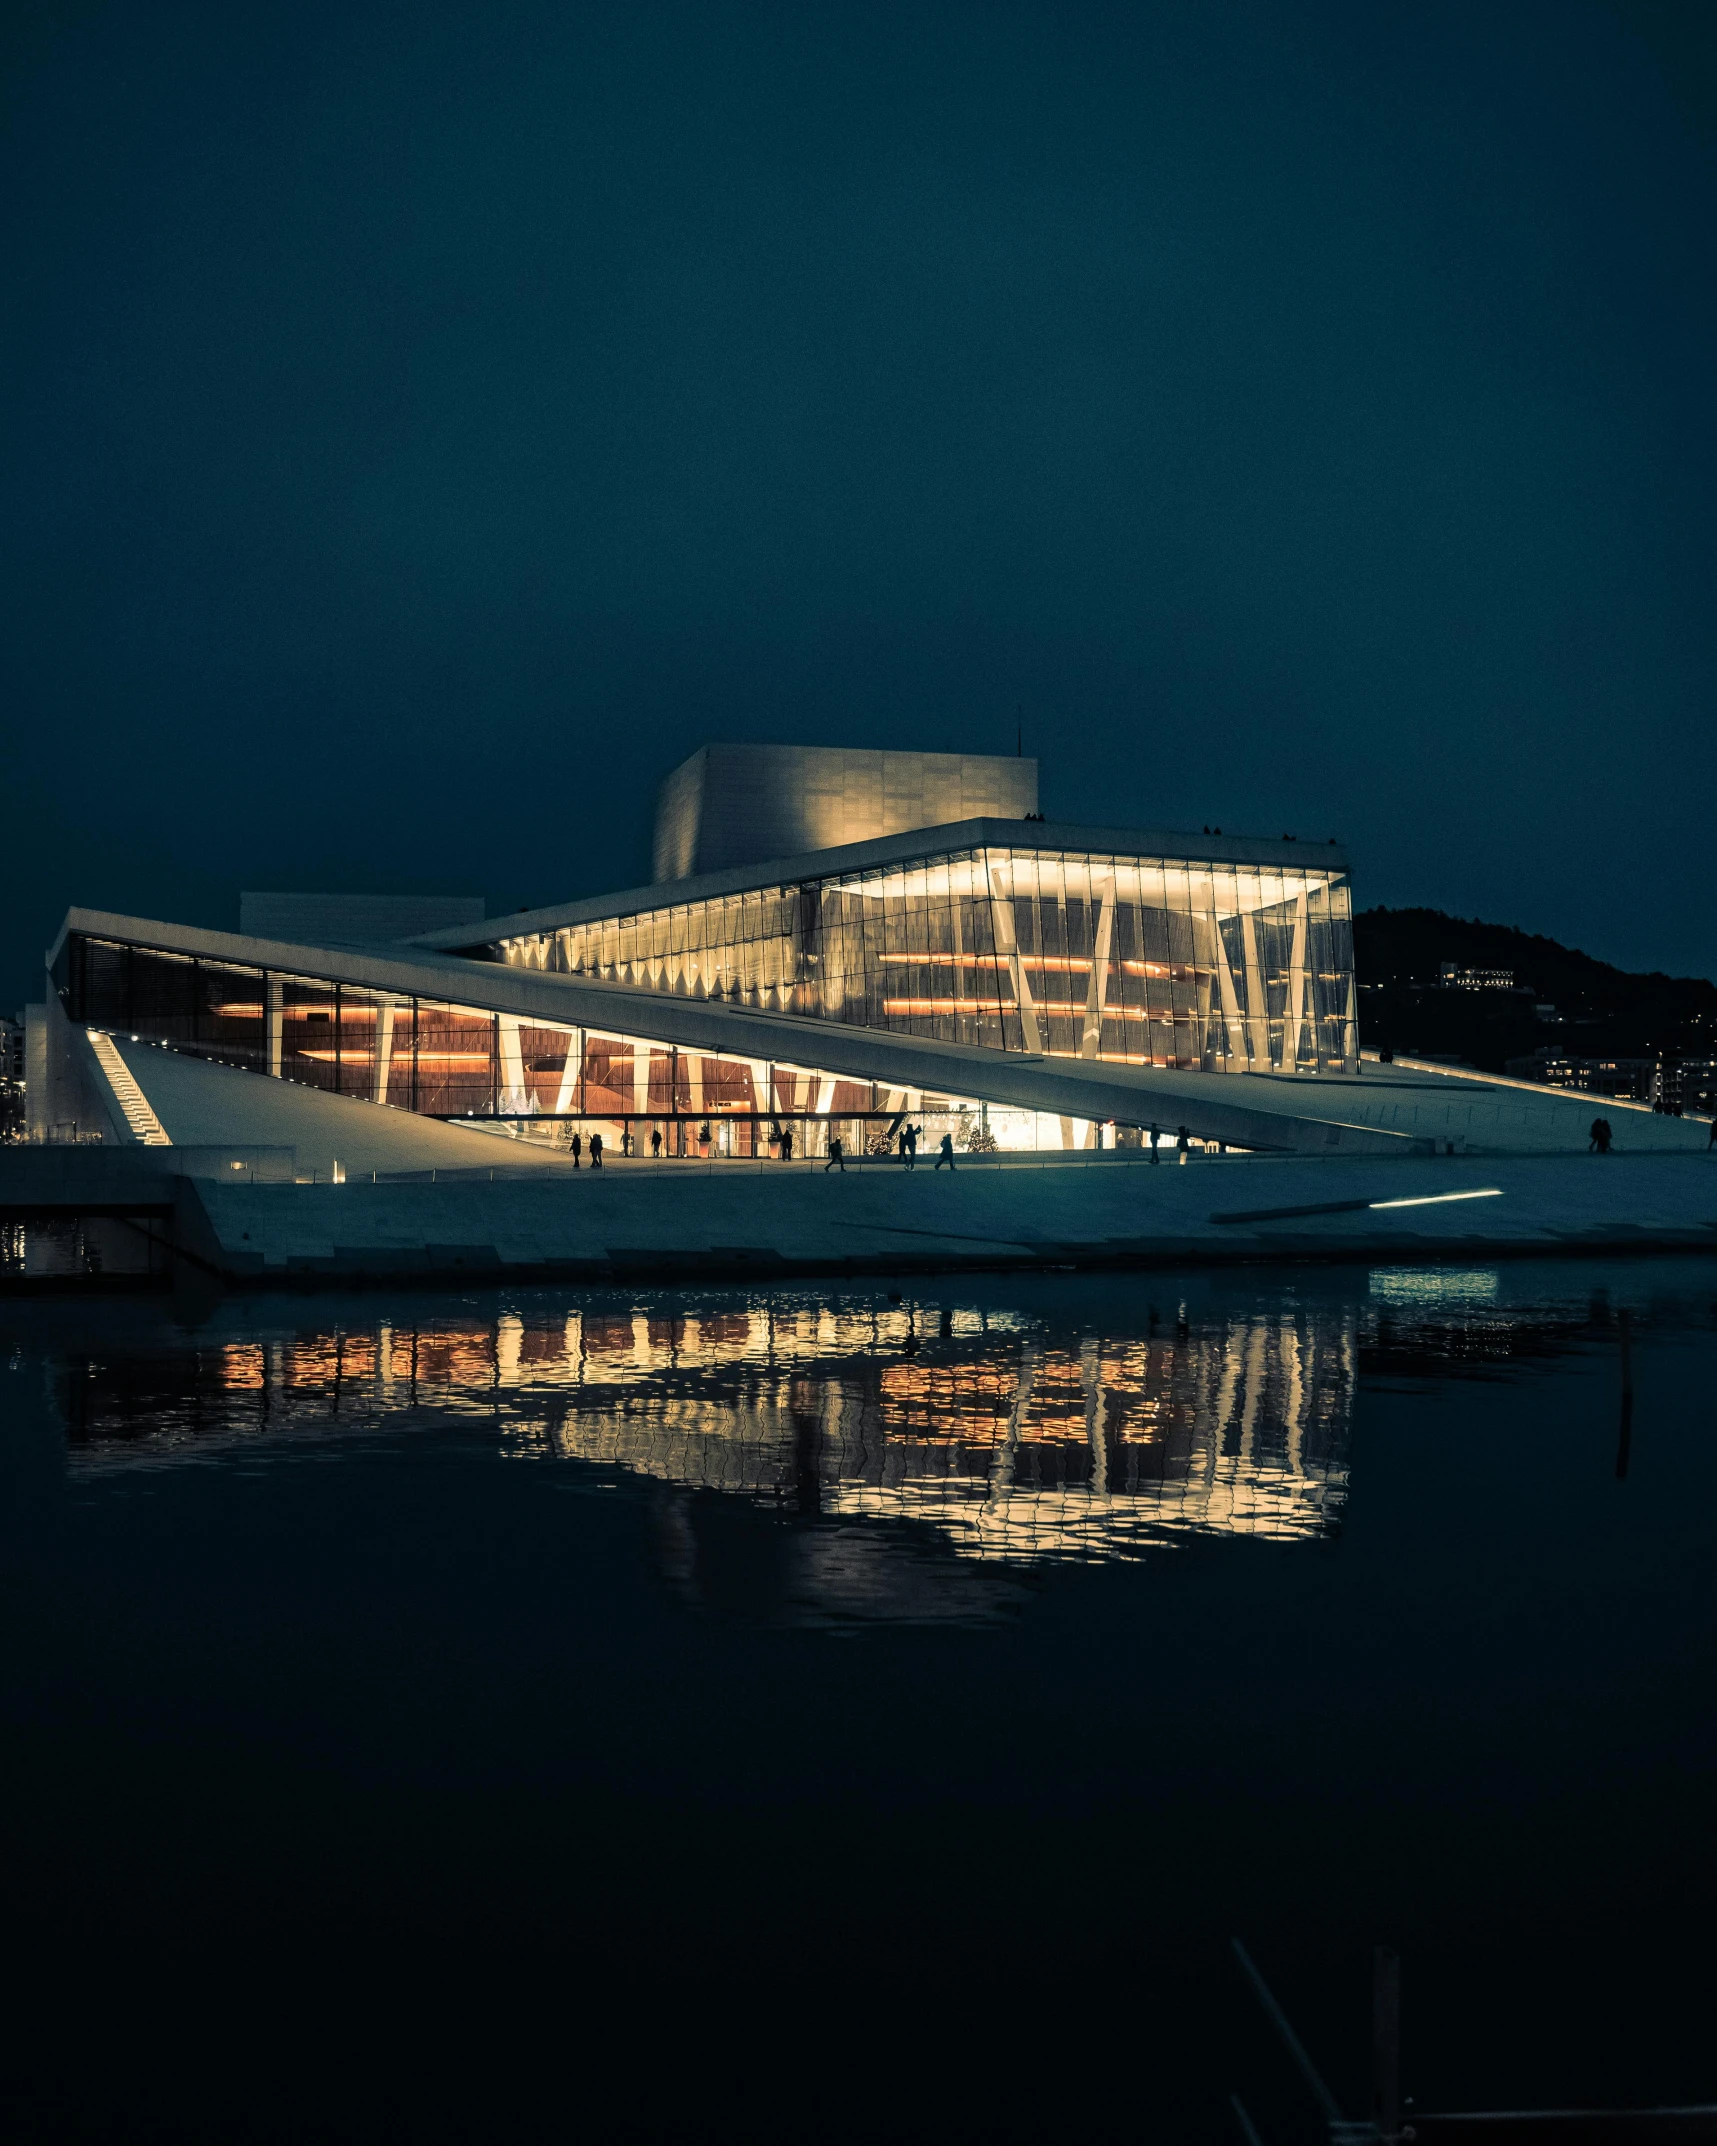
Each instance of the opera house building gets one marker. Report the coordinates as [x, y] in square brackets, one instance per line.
[832, 941]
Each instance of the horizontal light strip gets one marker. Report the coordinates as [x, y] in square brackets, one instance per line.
[1060, 964]
[946, 961]
[1352, 1207]
[1435, 1199]
[1071, 1009]
[350, 1010]
[950, 1005]
[401, 1058]
[1063, 964]
[1123, 1058]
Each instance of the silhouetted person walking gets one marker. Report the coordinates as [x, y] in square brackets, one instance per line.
[837, 1159]
[909, 1147]
[1156, 1142]
[946, 1153]
[786, 1143]
[577, 1149]
[626, 1140]
[596, 1151]
[655, 1143]
[1182, 1142]
[1601, 1136]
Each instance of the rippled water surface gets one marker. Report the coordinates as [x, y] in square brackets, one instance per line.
[789, 1714]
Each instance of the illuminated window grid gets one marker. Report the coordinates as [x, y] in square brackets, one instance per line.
[1257, 965]
[446, 1060]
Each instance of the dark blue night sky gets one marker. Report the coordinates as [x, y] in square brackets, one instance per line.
[423, 426]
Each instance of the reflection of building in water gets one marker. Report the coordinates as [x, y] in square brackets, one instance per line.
[1026, 1451]
[1002, 1441]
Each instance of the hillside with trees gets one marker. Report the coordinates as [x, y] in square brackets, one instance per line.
[1556, 998]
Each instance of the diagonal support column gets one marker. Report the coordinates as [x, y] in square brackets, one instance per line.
[385, 1017]
[513, 1094]
[1257, 1005]
[1098, 988]
[566, 1094]
[1007, 944]
[1293, 1039]
[1239, 1039]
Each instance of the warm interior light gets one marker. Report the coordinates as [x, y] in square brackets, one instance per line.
[1073, 1008]
[1062, 964]
[1121, 1058]
[401, 1057]
[950, 1005]
[352, 1010]
[941, 961]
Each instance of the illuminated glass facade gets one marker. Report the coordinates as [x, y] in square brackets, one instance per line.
[993, 936]
[462, 1062]
[1134, 960]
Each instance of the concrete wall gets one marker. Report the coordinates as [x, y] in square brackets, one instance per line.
[62, 1098]
[656, 1222]
[745, 804]
[36, 1106]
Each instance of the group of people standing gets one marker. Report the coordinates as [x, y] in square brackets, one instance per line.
[1600, 1137]
[576, 1146]
[910, 1135]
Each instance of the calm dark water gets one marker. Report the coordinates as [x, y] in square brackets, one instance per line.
[790, 1715]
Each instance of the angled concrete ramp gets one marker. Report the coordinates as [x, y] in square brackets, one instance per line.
[209, 1106]
[1482, 1113]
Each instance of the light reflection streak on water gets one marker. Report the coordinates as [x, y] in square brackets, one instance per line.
[1008, 1442]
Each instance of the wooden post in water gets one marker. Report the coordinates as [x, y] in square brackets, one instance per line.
[1386, 2043]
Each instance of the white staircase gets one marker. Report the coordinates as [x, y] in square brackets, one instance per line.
[146, 1127]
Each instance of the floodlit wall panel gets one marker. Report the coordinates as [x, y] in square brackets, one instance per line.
[746, 804]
